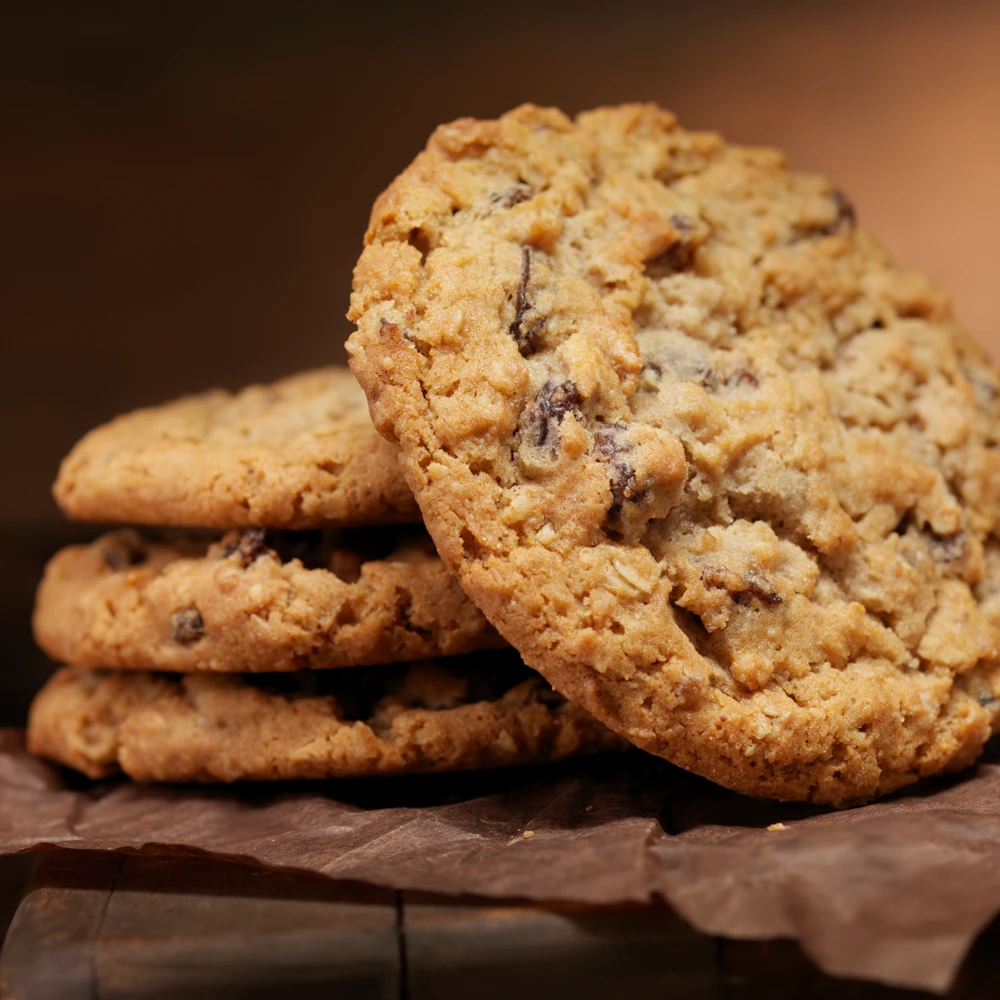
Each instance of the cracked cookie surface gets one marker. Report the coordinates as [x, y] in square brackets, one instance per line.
[299, 453]
[255, 601]
[425, 717]
[713, 464]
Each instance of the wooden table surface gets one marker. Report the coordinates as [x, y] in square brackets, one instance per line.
[103, 927]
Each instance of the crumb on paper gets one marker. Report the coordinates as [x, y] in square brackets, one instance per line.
[775, 827]
[528, 834]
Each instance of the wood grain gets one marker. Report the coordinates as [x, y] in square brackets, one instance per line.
[49, 948]
[106, 927]
[203, 929]
[494, 951]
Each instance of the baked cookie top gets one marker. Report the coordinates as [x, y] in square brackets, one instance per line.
[255, 600]
[718, 469]
[299, 453]
[206, 727]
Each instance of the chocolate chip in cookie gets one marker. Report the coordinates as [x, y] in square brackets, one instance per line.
[188, 626]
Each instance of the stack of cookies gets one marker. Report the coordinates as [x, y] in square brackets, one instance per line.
[716, 468]
[282, 613]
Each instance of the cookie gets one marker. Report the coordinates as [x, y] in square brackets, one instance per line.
[300, 453]
[713, 464]
[203, 727]
[255, 601]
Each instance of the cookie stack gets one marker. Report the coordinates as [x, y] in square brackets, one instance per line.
[283, 615]
[716, 468]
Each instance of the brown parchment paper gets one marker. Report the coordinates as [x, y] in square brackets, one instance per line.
[895, 891]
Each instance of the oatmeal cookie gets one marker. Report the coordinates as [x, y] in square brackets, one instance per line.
[255, 601]
[717, 468]
[205, 727]
[300, 453]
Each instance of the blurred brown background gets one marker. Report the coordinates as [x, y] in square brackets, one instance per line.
[185, 185]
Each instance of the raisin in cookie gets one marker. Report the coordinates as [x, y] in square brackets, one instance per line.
[203, 727]
[718, 469]
[255, 601]
[300, 453]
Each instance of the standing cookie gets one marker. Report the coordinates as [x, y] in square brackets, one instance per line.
[300, 453]
[720, 471]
